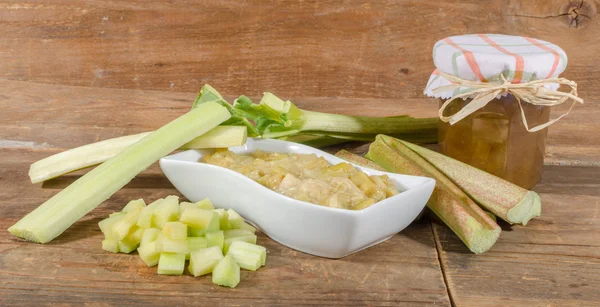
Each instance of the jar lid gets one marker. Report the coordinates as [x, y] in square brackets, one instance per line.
[484, 57]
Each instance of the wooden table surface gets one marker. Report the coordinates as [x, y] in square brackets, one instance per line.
[75, 72]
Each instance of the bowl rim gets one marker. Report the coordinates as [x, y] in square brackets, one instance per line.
[175, 158]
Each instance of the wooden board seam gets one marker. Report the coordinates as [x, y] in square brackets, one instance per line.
[438, 251]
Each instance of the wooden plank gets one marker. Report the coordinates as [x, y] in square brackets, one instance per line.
[553, 261]
[543, 239]
[361, 49]
[36, 116]
[73, 269]
[372, 57]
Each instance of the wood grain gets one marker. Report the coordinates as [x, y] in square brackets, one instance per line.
[553, 261]
[361, 49]
[73, 269]
[36, 116]
[74, 72]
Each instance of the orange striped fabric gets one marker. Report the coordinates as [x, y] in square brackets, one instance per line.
[520, 62]
[487, 57]
[546, 48]
[470, 59]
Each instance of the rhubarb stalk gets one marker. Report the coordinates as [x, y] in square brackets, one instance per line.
[271, 118]
[96, 153]
[358, 160]
[506, 200]
[468, 221]
[62, 210]
[290, 120]
[313, 140]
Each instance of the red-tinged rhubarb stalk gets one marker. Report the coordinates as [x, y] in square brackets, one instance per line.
[358, 160]
[468, 221]
[506, 200]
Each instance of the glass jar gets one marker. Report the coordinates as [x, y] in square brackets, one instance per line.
[493, 136]
[495, 139]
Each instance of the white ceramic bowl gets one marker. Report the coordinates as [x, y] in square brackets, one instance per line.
[313, 229]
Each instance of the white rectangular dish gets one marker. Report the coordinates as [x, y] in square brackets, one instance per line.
[313, 229]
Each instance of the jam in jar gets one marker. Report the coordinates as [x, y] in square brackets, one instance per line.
[492, 134]
[495, 139]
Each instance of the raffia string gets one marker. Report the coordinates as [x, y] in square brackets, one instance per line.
[482, 93]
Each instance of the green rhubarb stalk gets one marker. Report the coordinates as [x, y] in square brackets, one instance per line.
[276, 118]
[171, 264]
[62, 210]
[226, 272]
[271, 118]
[358, 160]
[286, 119]
[506, 200]
[426, 136]
[248, 256]
[362, 128]
[96, 153]
[203, 261]
[219, 137]
[468, 221]
[317, 141]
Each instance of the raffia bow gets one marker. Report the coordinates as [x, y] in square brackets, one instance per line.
[532, 92]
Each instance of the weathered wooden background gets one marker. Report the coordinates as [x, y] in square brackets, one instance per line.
[73, 72]
[350, 50]
[353, 49]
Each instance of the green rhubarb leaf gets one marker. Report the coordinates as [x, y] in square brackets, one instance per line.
[274, 117]
[292, 118]
[262, 115]
[238, 117]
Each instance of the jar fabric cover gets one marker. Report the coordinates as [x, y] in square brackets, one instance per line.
[484, 57]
